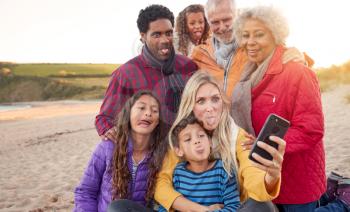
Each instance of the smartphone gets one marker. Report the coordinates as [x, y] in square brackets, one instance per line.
[274, 125]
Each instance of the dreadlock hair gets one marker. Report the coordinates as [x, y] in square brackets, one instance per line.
[120, 172]
[153, 13]
[182, 30]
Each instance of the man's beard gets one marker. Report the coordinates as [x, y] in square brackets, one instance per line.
[223, 37]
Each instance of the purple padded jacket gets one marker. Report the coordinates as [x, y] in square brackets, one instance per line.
[95, 189]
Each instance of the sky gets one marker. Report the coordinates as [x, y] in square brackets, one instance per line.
[105, 31]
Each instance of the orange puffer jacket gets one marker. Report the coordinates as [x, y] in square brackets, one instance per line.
[203, 56]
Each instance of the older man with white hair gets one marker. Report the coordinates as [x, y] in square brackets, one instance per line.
[222, 56]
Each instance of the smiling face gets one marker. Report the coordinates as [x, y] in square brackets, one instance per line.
[144, 116]
[221, 23]
[159, 38]
[195, 25]
[257, 40]
[208, 106]
[194, 144]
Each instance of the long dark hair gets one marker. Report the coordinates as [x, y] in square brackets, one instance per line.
[121, 174]
[182, 31]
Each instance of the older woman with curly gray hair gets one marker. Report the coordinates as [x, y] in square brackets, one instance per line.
[269, 16]
[289, 90]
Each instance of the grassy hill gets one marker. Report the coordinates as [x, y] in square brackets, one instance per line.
[52, 69]
[37, 82]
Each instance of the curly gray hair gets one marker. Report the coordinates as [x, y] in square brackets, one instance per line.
[270, 16]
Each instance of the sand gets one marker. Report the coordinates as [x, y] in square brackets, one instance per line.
[44, 150]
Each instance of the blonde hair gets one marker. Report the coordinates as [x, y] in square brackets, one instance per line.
[222, 137]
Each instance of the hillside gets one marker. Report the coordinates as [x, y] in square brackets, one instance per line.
[38, 82]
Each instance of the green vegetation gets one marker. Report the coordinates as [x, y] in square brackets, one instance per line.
[31, 88]
[64, 70]
[37, 82]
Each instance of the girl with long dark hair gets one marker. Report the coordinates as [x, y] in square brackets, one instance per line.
[127, 168]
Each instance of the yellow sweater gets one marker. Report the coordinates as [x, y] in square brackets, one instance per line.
[250, 179]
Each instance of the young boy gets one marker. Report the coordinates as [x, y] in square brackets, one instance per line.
[198, 178]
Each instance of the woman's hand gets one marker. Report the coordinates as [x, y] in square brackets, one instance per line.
[215, 207]
[247, 144]
[293, 54]
[183, 204]
[272, 167]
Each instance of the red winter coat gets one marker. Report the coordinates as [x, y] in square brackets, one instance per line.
[291, 90]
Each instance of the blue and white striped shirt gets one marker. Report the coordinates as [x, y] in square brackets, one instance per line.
[213, 186]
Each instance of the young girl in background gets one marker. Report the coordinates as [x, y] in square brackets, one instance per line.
[191, 29]
[128, 168]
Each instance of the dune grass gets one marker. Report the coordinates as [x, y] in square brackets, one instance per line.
[333, 76]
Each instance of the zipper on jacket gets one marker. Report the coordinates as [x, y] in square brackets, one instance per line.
[133, 180]
[227, 70]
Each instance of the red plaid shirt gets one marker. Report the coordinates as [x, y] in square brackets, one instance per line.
[138, 74]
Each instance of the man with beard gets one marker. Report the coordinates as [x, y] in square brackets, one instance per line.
[157, 68]
[222, 56]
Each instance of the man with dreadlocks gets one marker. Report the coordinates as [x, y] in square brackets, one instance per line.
[157, 68]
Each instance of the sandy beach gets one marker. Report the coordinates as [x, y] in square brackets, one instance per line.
[44, 149]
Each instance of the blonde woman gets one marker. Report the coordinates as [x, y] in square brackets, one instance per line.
[204, 97]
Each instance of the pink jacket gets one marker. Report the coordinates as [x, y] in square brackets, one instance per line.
[291, 90]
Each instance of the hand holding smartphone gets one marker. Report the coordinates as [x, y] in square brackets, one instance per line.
[274, 125]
